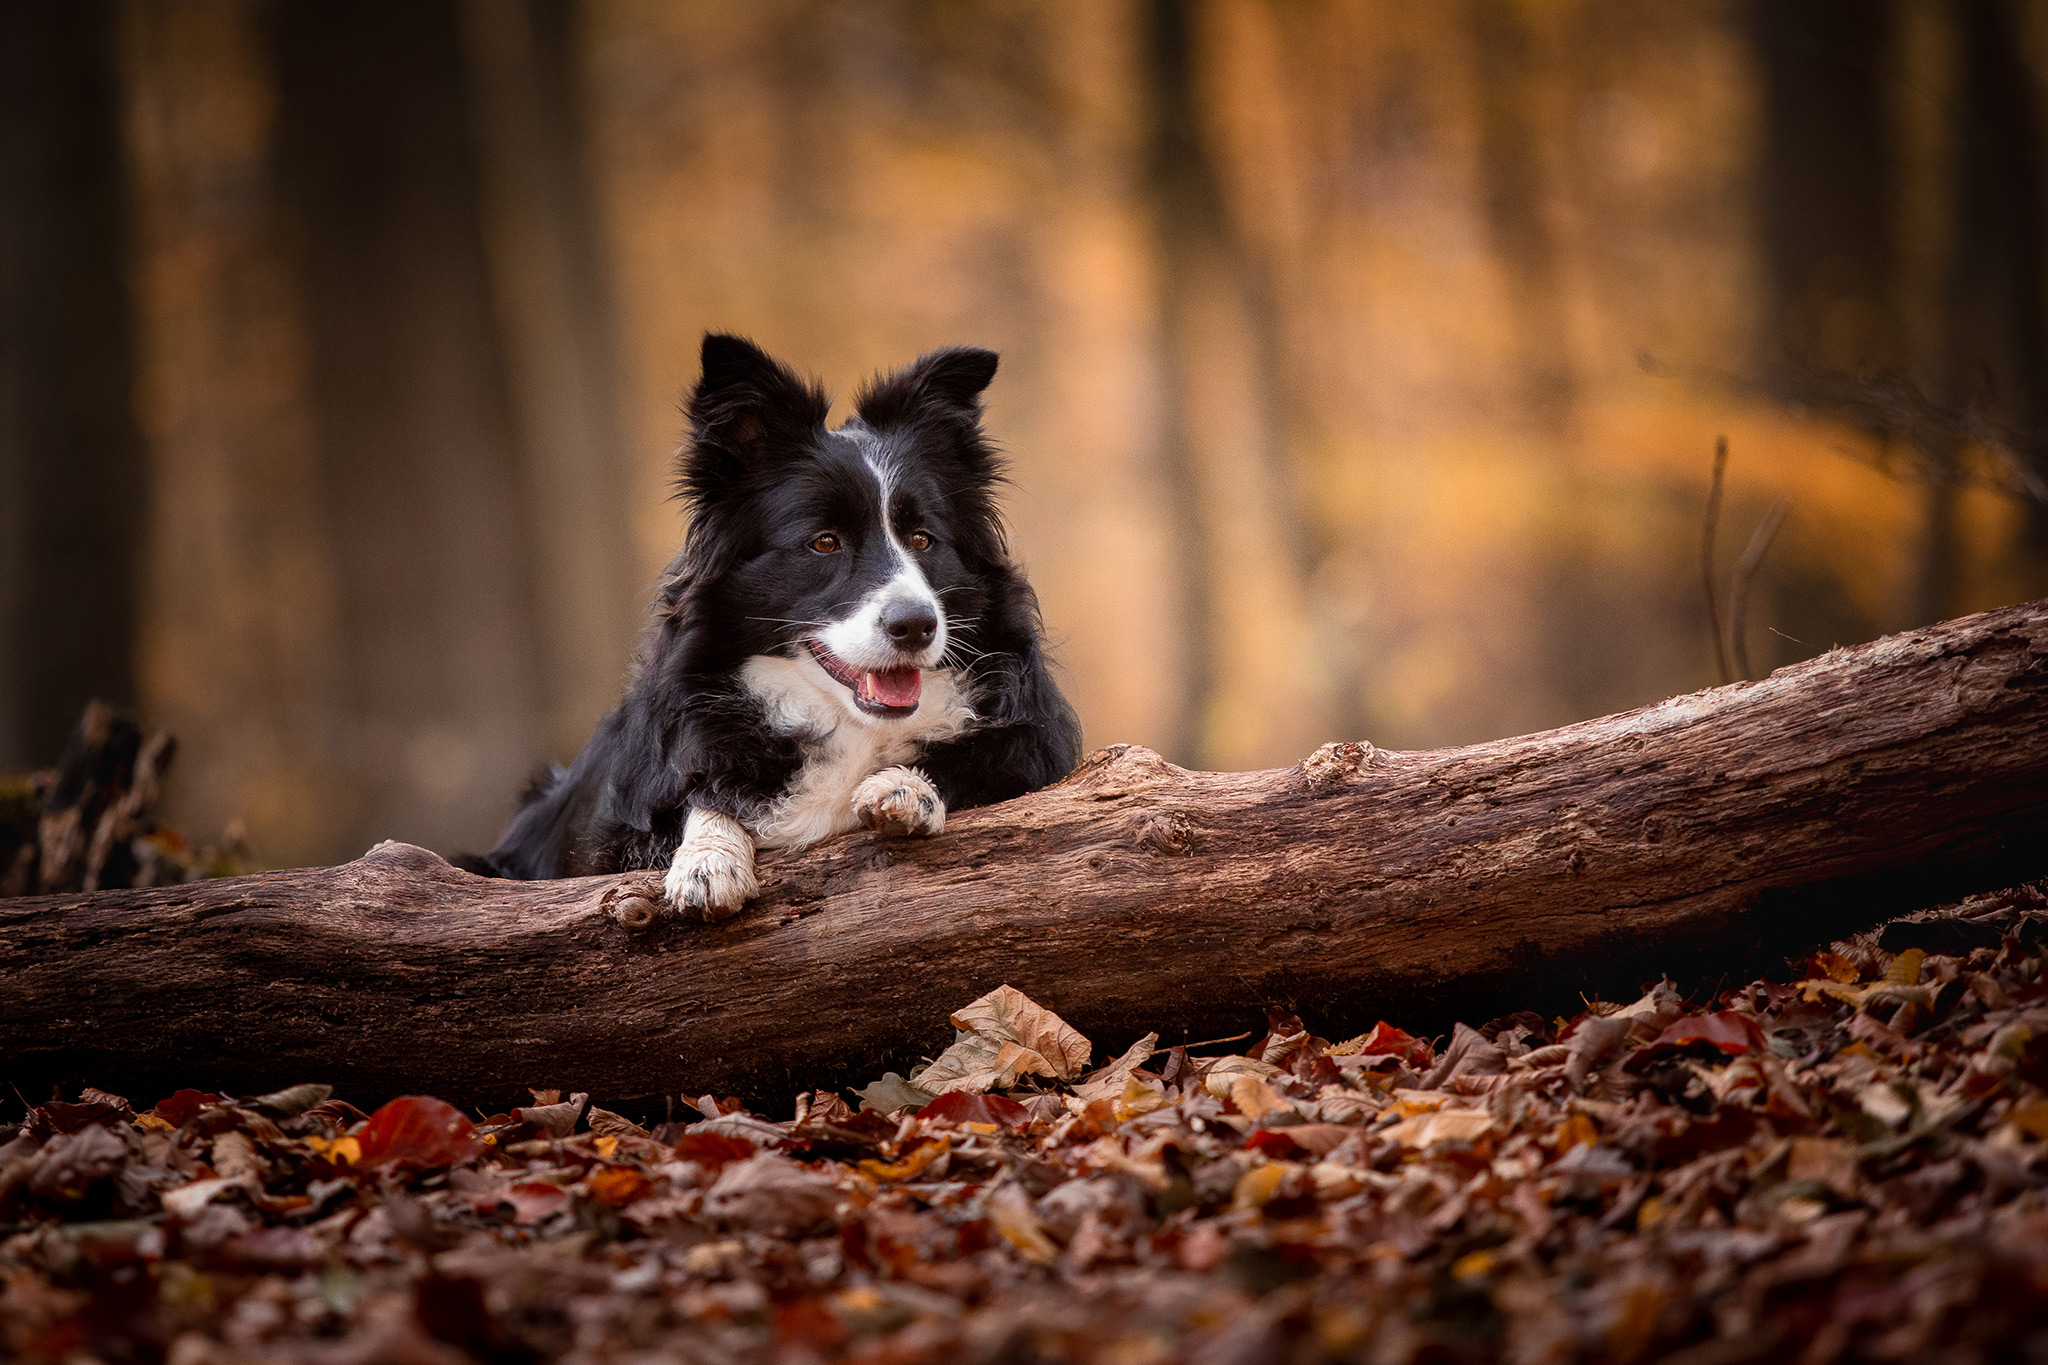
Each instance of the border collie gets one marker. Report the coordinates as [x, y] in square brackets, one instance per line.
[843, 641]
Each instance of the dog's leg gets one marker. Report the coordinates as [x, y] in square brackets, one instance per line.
[713, 871]
[900, 801]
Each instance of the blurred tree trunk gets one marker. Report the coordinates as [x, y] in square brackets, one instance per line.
[72, 477]
[2000, 302]
[237, 643]
[1827, 181]
[555, 326]
[1178, 183]
[1251, 664]
[1925, 135]
[440, 707]
[1509, 118]
[1905, 207]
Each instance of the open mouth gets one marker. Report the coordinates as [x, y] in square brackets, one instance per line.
[878, 691]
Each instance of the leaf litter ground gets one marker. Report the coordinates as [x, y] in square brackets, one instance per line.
[1846, 1164]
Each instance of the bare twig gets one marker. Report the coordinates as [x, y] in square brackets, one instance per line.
[1745, 570]
[1907, 424]
[1211, 1042]
[1707, 560]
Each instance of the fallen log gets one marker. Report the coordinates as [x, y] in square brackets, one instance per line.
[1700, 835]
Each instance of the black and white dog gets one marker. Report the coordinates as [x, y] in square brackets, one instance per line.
[843, 641]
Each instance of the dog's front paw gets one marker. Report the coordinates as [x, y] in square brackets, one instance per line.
[710, 883]
[900, 801]
[712, 873]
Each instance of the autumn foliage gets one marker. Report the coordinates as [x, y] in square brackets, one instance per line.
[1847, 1164]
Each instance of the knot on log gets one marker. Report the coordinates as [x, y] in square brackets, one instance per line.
[1121, 769]
[1334, 764]
[636, 905]
[1166, 832]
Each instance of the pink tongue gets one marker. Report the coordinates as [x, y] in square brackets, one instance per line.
[893, 686]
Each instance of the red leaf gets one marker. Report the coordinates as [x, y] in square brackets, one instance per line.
[1732, 1032]
[59, 1116]
[957, 1106]
[712, 1151]
[533, 1200]
[1275, 1143]
[183, 1105]
[808, 1322]
[1385, 1038]
[418, 1130]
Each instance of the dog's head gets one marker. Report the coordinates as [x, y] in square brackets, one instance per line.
[865, 550]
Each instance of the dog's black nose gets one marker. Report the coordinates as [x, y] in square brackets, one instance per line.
[910, 625]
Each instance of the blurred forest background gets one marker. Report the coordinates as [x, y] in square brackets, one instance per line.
[1362, 359]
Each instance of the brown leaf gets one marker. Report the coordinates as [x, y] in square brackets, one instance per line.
[1467, 1054]
[772, 1194]
[892, 1093]
[1220, 1073]
[292, 1100]
[1441, 1125]
[557, 1119]
[1825, 1161]
[604, 1123]
[1108, 1082]
[1590, 1044]
[1010, 1213]
[969, 1064]
[960, 1106]
[1047, 1046]
[235, 1155]
[1255, 1099]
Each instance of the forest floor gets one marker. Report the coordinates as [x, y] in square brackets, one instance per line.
[1850, 1163]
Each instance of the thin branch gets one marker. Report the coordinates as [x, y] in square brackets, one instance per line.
[1745, 570]
[1707, 560]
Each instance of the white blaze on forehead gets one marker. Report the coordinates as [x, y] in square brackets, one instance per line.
[859, 639]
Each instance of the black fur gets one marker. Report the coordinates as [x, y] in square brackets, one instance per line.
[762, 476]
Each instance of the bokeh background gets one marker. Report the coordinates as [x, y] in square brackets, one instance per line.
[1363, 360]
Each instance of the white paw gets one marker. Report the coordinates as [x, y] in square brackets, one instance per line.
[900, 801]
[710, 883]
[712, 874]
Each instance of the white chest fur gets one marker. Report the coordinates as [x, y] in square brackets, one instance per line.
[844, 745]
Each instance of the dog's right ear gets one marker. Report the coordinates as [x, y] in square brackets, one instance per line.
[747, 410]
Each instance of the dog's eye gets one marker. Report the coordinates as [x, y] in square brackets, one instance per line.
[826, 544]
[920, 540]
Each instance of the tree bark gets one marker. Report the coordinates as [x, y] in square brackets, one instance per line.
[1696, 836]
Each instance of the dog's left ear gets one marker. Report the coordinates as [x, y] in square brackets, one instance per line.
[942, 384]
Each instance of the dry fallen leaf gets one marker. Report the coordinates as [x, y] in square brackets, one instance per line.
[1107, 1082]
[1010, 1213]
[1441, 1125]
[892, 1093]
[418, 1130]
[771, 1194]
[1004, 1035]
[1007, 1035]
